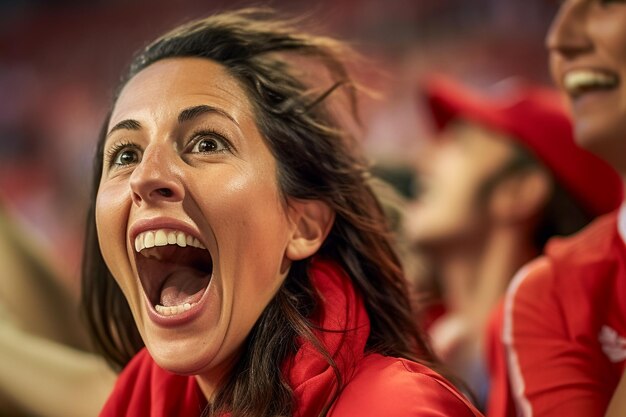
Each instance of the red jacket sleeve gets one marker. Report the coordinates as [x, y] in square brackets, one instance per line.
[553, 373]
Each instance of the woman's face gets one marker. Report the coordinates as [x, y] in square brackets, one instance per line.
[190, 219]
[587, 45]
[450, 210]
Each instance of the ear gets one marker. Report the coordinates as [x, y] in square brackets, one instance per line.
[312, 221]
[520, 197]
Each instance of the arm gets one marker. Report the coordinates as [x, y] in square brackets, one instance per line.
[49, 379]
[31, 290]
[43, 370]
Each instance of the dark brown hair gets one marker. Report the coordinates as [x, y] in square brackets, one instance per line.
[316, 159]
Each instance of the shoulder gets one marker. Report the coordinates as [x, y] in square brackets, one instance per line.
[592, 244]
[386, 386]
[532, 282]
[571, 267]
[559, 295]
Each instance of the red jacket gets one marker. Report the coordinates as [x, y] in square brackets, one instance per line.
[565, 326]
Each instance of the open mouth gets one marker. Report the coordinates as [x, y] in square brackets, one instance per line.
[174, 268]
[580, 82]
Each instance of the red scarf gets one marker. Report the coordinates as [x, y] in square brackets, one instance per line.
[145, 390]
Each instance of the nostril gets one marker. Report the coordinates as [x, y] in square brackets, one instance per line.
[165, 192]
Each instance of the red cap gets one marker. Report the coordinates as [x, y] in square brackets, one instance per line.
[537, 118]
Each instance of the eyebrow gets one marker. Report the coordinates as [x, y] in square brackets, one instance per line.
[193, 112]
[184, 116]
[128, 124]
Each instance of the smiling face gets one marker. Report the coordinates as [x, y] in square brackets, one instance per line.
[587, 45]
[453, 172]
[190, 219]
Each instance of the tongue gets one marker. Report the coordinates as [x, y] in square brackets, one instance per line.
[185, 285]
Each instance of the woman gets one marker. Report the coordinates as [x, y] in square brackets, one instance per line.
[565, 314]
[252, 262]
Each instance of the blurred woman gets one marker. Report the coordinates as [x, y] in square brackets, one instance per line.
[565, 314]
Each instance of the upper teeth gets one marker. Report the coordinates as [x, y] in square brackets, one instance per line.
[164, 237]
[575, 81]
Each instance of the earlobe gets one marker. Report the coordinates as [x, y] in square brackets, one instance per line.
[312, 220]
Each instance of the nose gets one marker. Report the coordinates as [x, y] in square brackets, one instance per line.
[567, 34]
[155, 179]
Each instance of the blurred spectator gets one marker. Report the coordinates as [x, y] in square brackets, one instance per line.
[564, 322]
[44, 367]
[501, 178]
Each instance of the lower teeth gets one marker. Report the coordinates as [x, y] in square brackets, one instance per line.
[173, 310]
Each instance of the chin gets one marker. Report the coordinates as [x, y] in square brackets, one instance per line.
[186, 350]
[434, 241]
[607, 141]
[421, 235]
[183, 358]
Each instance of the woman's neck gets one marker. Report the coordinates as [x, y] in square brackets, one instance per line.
[216, 377]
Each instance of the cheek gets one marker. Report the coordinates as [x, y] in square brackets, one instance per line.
[457, 183]
[555, 71]
[251, 229]
[456, 206]
[250, 224]
[112, 205]
[610, 34]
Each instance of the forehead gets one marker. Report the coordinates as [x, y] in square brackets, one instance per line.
[166, 86]
[468, 129]
[476, 140]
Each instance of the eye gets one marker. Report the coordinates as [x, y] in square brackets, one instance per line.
[123, 154]
[126, 157]
[209, 142]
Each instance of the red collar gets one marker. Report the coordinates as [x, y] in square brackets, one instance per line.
[344, 329]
